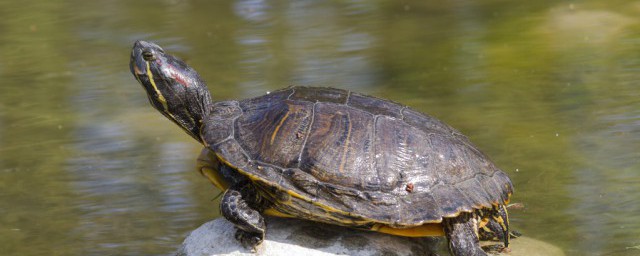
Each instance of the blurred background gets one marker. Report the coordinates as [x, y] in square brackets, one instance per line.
[550, 90]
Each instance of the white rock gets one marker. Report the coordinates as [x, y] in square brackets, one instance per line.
[298, 237]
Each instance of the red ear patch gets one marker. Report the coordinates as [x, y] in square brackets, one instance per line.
[178, 76]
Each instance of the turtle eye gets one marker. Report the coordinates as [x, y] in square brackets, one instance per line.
[148, 56]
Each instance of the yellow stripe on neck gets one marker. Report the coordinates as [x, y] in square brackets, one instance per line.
[155, 87]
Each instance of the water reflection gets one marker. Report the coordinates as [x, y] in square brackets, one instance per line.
[610, 172]
[130, 190]
[327, 49]
[255, 42]
[318, 47]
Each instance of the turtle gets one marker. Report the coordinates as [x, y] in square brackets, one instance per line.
[331, 156]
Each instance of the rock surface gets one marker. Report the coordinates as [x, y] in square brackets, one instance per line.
[298, 237]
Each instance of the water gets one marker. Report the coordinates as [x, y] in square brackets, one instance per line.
[550, 90]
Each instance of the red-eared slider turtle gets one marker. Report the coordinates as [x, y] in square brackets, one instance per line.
[331, 156]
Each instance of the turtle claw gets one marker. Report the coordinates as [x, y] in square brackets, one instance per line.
[496, 249]
[249, 240]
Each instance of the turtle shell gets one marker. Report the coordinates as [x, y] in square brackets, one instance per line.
[344, 158]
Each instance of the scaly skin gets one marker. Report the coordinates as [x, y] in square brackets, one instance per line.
[248, 221]
[462, 233]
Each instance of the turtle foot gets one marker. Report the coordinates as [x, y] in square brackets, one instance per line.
[496, 249]
[248, 239]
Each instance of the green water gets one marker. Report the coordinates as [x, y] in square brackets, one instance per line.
[549, 89]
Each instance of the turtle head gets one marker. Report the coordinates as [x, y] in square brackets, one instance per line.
[173, 88]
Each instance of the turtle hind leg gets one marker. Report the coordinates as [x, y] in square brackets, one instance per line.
[497, 229]
[462, 233]
[236, 207]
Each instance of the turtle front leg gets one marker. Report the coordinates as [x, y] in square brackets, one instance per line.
[237, 206]
[462, 233]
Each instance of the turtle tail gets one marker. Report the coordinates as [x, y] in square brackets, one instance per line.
[501, 216]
